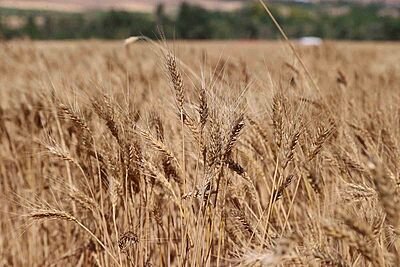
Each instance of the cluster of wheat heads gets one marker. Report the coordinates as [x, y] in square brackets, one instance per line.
[123, 157]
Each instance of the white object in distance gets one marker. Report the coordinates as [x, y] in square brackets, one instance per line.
[310, 41]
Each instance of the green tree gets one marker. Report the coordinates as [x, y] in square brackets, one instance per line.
[30, 28]
[192, 22]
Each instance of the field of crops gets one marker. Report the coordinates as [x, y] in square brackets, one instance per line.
[199, 154]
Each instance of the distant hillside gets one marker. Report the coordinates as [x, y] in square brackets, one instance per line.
[131, 5]
[146, 5]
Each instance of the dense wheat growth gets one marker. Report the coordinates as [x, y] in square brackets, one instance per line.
[199, 154]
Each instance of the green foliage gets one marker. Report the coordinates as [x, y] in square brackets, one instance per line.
[193, 22]
[359, 22]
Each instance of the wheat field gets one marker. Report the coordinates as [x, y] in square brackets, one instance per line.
[199, 154]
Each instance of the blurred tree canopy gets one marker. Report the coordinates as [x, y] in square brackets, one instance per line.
[330, 21]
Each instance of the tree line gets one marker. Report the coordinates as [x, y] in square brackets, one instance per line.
[329, 21]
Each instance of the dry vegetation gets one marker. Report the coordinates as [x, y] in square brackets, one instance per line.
[126, 156]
